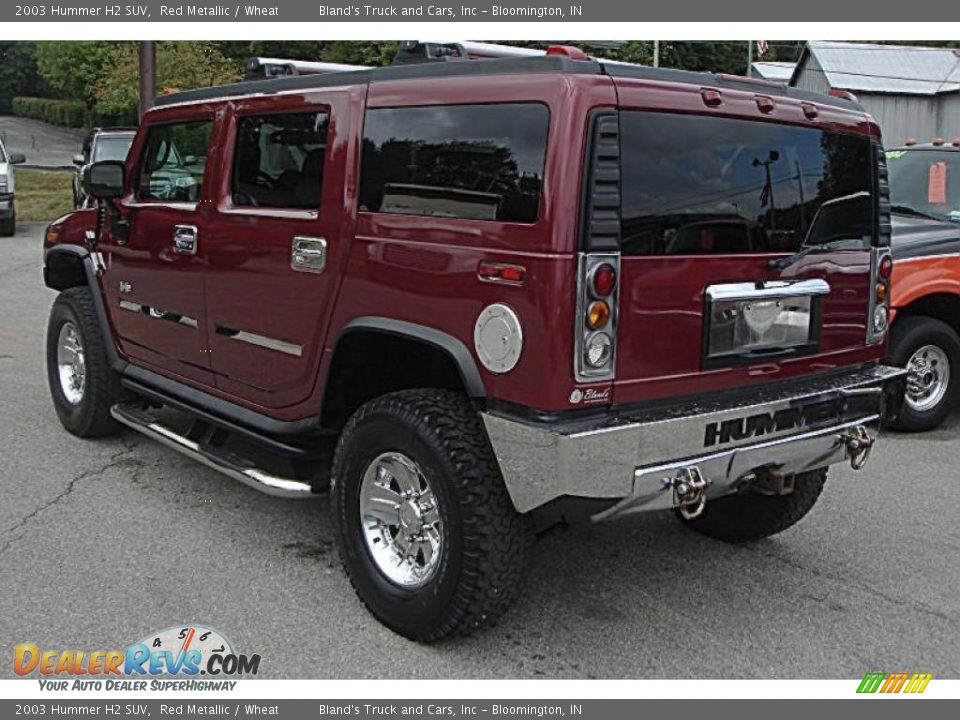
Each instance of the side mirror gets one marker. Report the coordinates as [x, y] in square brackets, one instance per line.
[17, 158]
[78, 160]
[104, 180]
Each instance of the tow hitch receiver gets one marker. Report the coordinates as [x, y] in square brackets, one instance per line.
[689, 491]
[859, 443]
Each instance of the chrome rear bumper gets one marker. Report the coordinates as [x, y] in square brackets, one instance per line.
[636, 460]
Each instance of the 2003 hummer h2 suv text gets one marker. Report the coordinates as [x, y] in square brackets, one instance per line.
[472, 297]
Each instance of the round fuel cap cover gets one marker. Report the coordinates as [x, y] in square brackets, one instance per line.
[498, 338]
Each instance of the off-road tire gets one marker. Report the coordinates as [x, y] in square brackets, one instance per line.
[751, 516]
[909, 334]
[485, 541]
[91, 416]
[8, 227]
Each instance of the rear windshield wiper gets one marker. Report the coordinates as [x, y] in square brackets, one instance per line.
[785, 262]
[913, 212]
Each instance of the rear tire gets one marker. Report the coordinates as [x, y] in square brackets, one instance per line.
[83, 391]
[434, 442]
[752, 516]
[930, 350]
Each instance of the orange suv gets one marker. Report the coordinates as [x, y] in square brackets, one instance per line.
[925, 304]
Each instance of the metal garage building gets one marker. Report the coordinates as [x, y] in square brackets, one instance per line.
[913, 92]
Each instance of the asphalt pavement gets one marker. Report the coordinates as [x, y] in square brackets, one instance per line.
[102, 542]
[45, 146]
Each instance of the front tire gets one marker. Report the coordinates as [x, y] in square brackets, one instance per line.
[82, 385]
[8, 227]
[428, 535]
[930, 350]
[752, 516]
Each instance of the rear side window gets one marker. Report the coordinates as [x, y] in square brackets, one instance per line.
[707, 185]
[482, 162]
[279, 159]
[174, 162]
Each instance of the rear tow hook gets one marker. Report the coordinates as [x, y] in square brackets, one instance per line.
[859, 444]
[689, 492]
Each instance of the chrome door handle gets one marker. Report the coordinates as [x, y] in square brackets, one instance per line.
[308, 254]
[185, 239]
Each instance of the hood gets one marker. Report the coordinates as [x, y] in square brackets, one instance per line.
[918, 236]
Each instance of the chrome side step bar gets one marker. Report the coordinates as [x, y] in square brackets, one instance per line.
[224, 462]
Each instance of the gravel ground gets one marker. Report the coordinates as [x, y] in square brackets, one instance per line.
[102, 542]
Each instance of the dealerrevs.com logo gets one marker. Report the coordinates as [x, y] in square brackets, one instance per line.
[171, 659]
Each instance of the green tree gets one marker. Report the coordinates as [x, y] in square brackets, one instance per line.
[18, 71]
[180, 66]
[71, 69]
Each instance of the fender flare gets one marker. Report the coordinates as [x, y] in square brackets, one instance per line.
[90, 280]
[446, 343]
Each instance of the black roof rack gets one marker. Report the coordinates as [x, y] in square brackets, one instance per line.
[417, 60]
[511, 66]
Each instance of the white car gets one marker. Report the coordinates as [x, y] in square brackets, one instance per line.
[8, 214]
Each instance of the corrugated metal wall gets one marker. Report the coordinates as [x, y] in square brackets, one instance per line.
[903, 116]
[923, 117]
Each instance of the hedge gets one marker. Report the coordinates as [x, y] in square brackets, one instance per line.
[69, 113]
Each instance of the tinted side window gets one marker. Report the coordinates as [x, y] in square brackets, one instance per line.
[174, 162]
[483, 162]
[279, 160]
[695, 184]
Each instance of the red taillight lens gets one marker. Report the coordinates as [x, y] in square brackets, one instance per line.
[886, 267]
[604, 280]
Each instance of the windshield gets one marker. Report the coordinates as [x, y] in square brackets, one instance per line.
[925, 181]
[111, 147]
[695, 184]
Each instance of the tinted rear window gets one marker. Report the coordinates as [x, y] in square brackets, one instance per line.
[693, 184]
[483, 162]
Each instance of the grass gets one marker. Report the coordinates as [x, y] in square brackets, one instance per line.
[43, 195]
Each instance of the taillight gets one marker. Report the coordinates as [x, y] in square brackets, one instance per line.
[596, 316]
[879, 319]
[603, 281]
[885, 268]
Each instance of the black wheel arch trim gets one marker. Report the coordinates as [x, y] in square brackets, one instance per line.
[446, 343]
[90, 275]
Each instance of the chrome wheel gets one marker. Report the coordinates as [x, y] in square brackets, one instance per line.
[928, 379]
[400, 520]
[71, 365]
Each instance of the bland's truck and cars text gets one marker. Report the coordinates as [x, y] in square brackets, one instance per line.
[471, 298]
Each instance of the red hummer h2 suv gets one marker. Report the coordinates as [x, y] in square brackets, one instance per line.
[474, 297]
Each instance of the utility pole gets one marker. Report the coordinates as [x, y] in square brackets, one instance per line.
[656, 53]
[148, 75]
[749, 58]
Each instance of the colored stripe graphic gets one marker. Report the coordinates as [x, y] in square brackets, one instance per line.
[891, 683]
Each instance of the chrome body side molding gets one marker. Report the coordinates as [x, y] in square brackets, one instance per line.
[264, 341]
